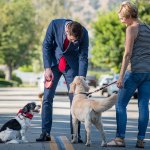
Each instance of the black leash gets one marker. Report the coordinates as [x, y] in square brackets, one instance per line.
[89, 93]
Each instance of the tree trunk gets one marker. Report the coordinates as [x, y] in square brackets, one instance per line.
[9, 73]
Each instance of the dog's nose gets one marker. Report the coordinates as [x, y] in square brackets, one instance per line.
[39, 106]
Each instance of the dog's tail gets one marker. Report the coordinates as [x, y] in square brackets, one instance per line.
[104, 104]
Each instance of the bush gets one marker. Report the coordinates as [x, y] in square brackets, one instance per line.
[2, 74]
[17, 79]
[5, 83]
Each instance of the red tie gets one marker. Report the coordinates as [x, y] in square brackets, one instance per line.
[62, 62]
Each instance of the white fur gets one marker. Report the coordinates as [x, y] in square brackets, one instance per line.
[88, 110]
[10, 136]
[13, 136]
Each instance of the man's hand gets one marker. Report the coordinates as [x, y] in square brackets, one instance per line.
[48, 74]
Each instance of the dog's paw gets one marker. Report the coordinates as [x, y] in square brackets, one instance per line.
[25, 141]
[74, 141]
[104, 144]
[88, 144]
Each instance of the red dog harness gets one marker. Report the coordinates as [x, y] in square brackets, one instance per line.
[27, 115]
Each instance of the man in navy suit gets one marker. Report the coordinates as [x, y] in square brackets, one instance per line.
[65, 52]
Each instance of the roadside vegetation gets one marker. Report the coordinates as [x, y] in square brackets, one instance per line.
[23, 26]
[108, 40]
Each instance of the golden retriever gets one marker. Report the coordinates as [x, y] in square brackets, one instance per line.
[88, 110]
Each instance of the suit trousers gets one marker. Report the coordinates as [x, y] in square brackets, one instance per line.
[47, 105]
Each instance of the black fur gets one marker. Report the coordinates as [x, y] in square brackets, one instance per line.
[11, 124]
[28, 107]
[1, 141]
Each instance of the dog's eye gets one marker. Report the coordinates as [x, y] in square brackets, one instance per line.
[32, 105]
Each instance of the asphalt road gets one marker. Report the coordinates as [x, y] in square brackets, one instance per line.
[12, 99]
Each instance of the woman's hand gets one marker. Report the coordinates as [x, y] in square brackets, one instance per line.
[120, 82]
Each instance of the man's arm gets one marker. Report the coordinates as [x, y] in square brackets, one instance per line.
[83, 56]
[47, 52]
[47, 46]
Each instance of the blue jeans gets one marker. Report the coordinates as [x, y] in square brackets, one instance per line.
[133, 81]
[47, 105]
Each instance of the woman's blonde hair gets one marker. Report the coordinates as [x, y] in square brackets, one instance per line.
[128, 10]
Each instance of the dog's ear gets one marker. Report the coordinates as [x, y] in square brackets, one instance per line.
[72, 87]
[85, 85]
[26, 108]
[32, 105]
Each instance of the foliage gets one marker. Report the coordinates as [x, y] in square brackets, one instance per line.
[22, 30]
[26, 68]
[46, 11]
[16, 79]
[17, 33]
[107, 43]
[2, 74]
[144, 10]
[109, 36]
[5, 83]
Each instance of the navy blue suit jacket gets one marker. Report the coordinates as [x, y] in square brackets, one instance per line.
[76, 54]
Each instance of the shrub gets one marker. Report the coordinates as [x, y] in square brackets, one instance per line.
[2, 74]
[5, 83]
[17, 79]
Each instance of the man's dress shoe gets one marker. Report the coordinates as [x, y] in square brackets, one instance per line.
[44, 137]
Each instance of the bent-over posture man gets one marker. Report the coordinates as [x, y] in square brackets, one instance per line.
[65, 52]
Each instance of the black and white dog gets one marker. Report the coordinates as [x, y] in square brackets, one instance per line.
[14, 131]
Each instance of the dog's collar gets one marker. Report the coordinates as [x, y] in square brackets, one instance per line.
[27, 115]
[81, 93]
[84, 93]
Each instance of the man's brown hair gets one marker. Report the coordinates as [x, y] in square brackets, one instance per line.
[75, 29]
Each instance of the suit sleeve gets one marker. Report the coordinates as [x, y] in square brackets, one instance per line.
[48, 46]
[83, 55]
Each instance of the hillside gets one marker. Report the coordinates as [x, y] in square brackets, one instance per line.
[86, 10]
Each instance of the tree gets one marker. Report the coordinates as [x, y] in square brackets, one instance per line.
[144, 10]
[46, 11]
[17, 34]
[22, 30]
[108, 41]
